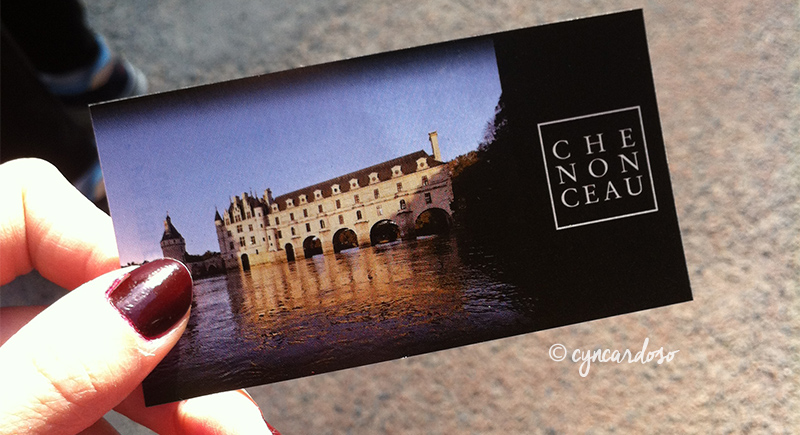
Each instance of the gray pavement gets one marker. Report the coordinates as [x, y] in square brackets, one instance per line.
[727, 75]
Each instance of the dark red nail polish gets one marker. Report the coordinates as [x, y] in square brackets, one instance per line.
[272, 429]
[154, 296]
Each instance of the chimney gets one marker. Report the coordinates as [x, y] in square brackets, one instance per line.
[268, 196]
[434, 137]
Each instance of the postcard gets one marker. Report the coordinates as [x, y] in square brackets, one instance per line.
[375, 208]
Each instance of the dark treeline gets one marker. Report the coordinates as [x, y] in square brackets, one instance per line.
[494, 191]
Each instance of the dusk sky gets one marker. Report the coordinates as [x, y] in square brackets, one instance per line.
[187, 152]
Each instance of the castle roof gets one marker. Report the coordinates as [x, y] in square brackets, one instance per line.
[170, 232]
[246, 202]
[408, 164]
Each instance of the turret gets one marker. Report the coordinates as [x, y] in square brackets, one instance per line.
[173, 245]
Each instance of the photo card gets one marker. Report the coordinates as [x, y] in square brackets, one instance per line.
[370, 209]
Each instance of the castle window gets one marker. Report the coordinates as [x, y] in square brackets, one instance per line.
[396, 171]
[399, 187]
[317, 194]
[302, 199]
[277, 220]
[338, 204]
[231, 244]
[376, 193]
[291, 216]
[252, 240]
[250, 227]
[422, 163]
[319, 207]
[269, 237]
[229, 233]
[263, 239]
[267, 221]
[356, 199]
[402, 204]
[241, 241]
[358, 215]
[289, 202]
[428, 199]
[308, 228]
[274, 207]
[335, 189]
[280, 235]
[256, 251]
[305, 212]
[341, 220]
[373, 177]
[354, 183]
[424, 180]
[322, 224]
[258, 213]
[294, 233]
[238, 228]
[261, 225]
[248, 215]
[227, 221]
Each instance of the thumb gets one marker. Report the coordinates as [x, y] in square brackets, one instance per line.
[83, 355]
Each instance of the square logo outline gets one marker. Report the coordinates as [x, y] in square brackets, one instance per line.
[547, 171]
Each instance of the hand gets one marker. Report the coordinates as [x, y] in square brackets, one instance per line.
[65, 366]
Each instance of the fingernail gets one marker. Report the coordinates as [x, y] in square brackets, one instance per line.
[272, 429]
[154, 296]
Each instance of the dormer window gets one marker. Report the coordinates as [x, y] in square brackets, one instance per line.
[424, 180]
[274, 207]
[422, 163]
[335, 189]
[373, 178]
[354, 183]
[396, 171]
[289, 202]
[317, 194]
[302, 199]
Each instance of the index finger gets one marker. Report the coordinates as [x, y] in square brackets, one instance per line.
[46, 224]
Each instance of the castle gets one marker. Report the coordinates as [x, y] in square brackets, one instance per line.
[402, 198]
[173, 245]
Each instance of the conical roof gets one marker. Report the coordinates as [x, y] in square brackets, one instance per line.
[170, 232]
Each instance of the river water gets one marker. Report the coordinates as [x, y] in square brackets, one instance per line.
[329, 312]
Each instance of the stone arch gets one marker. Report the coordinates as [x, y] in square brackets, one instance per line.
[345, 238]
[289, 248]
[384, 231]
[245, 262]
[312, 246]
[432, 221]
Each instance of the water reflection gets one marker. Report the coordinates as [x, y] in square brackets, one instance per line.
[329, 312]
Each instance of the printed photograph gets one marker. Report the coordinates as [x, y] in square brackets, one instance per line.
[366, 210]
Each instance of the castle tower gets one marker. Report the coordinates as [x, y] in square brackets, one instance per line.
[221, 232]
[173, 244]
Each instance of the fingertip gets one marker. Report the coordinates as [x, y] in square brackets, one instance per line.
[231, 412]
[89, 354]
